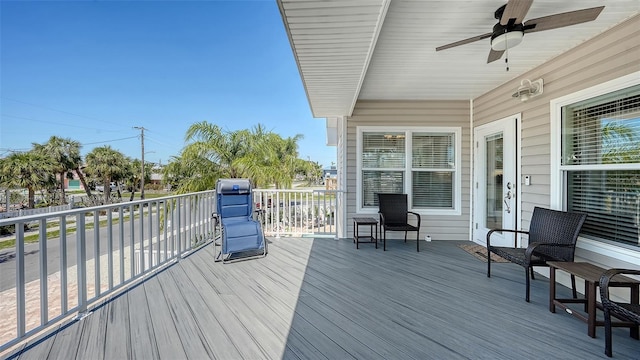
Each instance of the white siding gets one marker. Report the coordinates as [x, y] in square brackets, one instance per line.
[414, 113]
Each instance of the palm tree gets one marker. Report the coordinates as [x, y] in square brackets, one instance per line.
[106, 165]
[30, 170]
[260, 155]
[65, 157]
[131, 176]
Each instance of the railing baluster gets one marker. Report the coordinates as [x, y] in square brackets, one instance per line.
[96, 253]
[20, 279]
[141, 219]
[109, 249]
[81, 261]
[132, 241]
[121, 239]
[150, 226]
[165, 220]
[179, 230]
[173, 227]
[63, 265]
[44, 282]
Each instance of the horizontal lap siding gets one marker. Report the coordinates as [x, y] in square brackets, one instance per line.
[413, 113]
[608, 56]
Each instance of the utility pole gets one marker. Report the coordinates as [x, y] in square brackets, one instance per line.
[142, 129]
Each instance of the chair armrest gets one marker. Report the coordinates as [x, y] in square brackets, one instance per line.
[507, 230]
[534, 245]
[416, 215]
[381, 218]
[606, 278]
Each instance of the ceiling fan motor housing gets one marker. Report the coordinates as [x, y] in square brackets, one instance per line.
[506, 37]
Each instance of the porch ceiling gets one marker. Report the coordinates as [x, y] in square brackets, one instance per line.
[385, 49]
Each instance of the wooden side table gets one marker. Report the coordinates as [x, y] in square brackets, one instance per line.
[361, 221]
[591, 275]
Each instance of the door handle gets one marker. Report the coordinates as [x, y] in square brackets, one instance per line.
[507, 203]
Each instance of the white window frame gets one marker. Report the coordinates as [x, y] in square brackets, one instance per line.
[408, 131]
[609, 248]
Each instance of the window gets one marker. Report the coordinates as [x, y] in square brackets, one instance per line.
[422, 162]
[600, 163]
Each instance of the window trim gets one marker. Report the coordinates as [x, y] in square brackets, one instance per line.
[558, 189]
[408, 131]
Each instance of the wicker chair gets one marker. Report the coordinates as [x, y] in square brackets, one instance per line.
[552, 237]
[394, 216]
[623, 311]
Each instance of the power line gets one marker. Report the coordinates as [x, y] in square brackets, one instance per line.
[50, 108]
[106, 141]
[57, 123]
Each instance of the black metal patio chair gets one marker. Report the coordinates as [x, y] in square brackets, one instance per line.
[552, 237]
[624, 311]
[394, 216]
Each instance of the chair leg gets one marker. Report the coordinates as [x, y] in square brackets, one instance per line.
[573, 286]
[488, 262]
[418, 241]
[533, 277]
[384, 240]
[405, 236]
[526, 275]
[607, 332]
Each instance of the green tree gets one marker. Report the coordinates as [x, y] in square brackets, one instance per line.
[106, 165]
[211, 153]
[65, 157]
[30, 170]
[131, 176]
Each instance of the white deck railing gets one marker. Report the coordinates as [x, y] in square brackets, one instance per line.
[78, 257]
[297, 212]
[63, 262]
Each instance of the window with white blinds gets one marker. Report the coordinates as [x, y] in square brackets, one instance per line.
[601, 164]
[433, 167]
[421, 163]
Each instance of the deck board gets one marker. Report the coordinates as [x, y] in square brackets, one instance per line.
[323, 299]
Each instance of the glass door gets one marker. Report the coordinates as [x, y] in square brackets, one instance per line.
[495, 179]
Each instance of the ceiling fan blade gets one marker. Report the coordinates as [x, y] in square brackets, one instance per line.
[516, 9]
[494, 55]
[465, 41]
[563, 19]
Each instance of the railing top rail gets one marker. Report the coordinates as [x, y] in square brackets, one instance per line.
[296, 190]
[36, 217]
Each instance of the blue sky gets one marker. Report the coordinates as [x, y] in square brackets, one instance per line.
[92, 70]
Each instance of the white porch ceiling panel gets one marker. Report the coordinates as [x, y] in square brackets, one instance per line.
[332, 42]
[385, 50]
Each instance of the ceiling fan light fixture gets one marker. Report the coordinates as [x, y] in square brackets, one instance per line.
[528, 89]
[506, 40]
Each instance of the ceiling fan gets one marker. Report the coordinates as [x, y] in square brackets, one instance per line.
[510, 29]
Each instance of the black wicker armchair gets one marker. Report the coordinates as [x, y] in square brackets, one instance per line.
[394, 216]
[624, 311]
[552, 237]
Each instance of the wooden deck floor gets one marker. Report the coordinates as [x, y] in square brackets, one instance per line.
[323, 299]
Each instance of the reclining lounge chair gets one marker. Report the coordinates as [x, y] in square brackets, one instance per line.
[242, 237]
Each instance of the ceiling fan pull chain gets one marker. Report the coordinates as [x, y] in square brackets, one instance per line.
[506, 54]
